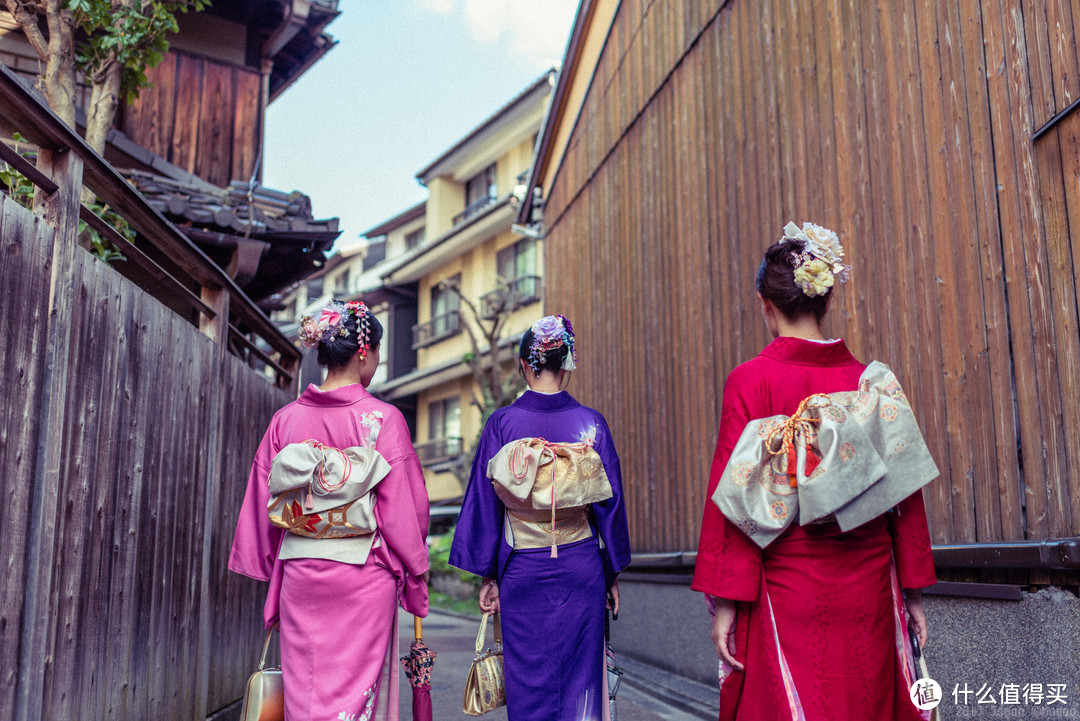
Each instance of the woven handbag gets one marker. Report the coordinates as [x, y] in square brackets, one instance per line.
[264, 697]
[485, 687]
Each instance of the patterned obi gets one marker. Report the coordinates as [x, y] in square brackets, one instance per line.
[848, 456]
[547, 488]
[318, 492]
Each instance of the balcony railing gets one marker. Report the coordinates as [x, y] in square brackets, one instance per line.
[520, 291]
[436, 329]
[473, 208]
[438, 450]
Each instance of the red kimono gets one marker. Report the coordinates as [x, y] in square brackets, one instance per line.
[831, 593]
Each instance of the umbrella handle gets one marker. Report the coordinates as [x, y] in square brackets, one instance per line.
[416, 628]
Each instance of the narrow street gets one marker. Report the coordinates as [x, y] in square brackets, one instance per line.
[646, 693]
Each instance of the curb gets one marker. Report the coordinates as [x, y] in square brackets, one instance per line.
[694, 699]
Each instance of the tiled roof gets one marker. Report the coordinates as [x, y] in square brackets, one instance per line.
[265, 238]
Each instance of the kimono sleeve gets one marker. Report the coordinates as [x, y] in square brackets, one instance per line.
[610, 514]
[480, 524]
[256, 540]
[402, 508]
[728, 562]
[911, 543]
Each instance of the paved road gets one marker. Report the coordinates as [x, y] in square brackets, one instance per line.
[646, 693]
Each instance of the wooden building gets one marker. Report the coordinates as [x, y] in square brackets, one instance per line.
[192, 142]
[937, 139]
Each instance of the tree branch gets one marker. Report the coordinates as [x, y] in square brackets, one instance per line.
[28, 23]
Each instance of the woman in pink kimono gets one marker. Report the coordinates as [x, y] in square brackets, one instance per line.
[335, 517]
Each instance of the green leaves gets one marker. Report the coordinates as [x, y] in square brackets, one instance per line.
[131, 34]
[99, 246]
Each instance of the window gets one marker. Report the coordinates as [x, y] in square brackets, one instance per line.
[480, 191]
[445, 319]
[517, 260]
[414, 238]
[444, 419]
[375, 253]
[444, 299]
[341, 283]
[519, 283]
[444, 432]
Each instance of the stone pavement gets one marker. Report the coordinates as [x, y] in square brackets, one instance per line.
[646, 693]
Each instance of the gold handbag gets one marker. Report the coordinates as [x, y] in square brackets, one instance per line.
[264, 697]
[485, 688]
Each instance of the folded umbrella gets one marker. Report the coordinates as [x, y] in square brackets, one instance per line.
[614, 673]
[418, 666]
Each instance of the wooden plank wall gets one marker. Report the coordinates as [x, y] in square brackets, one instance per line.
[120, 596]
[906, 127]
[24, 277]
[201, 115]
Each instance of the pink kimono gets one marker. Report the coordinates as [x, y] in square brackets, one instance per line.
[339, 617]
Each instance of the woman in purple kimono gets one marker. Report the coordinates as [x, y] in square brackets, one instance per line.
[543, 522]
[335, 517]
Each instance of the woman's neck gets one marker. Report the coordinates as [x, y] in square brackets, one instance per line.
[805, 327]
[546, 382]
[340, 377]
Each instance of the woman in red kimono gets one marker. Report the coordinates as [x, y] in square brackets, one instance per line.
[812, 626]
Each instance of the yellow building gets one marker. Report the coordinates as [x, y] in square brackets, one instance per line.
[470, 255]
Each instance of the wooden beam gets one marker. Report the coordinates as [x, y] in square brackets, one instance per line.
[141, 259]
[236, 335]
[59, 210]
[27, 168]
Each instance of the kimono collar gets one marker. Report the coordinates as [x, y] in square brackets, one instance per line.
[544, 403]
[344, 396]
[804, 352]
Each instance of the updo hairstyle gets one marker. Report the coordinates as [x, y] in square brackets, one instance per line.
[775, 282]
[555, 357]
[337, 351]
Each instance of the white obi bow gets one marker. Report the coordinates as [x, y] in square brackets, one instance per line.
[319, 492]
[853, 454]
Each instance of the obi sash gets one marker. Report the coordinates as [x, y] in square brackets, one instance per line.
[319, 493]
[851, 456]
[546, 489]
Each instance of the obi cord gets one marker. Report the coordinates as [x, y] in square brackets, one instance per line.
[798, 426]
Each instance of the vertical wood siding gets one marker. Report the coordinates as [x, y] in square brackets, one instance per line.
[121, 596]
[200, 115]
[906, 127]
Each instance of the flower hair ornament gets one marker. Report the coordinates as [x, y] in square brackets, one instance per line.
[550, 333]
[821, 263]
[329, 325]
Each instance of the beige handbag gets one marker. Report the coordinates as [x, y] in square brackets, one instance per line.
[264, 697]
[485, 688]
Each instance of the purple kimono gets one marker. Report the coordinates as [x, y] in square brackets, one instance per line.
[552, 608]
[339, 617]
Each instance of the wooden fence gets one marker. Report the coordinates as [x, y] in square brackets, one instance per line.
[907, 127]
[126, 435]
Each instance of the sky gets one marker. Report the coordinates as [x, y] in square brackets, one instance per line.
[407, 80]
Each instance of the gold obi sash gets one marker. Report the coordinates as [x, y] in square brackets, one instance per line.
[533, 529]
[318, 492]
[848, 456]
[547, 488]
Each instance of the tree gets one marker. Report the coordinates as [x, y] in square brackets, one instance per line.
[498, 380]
[111, 42]
[496, 377]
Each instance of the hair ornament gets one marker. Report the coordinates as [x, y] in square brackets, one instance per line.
[329, 325]
[820, 264]
[550, 333]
